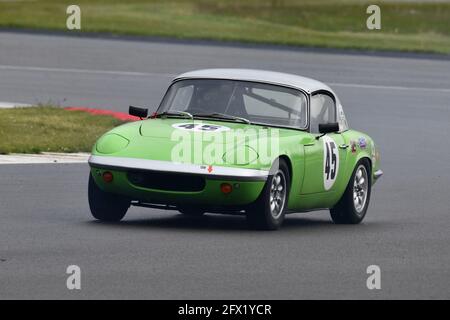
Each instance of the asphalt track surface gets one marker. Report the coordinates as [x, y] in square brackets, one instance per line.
[45, 225]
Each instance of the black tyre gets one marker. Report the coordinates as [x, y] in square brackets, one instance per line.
[191, 211]
[268, 212]
[352, 207]
[106, 206]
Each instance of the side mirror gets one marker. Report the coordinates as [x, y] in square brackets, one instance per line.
[138, 112]
[328, 127]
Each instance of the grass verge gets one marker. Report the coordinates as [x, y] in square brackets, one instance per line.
[50, 129]
[421, 26]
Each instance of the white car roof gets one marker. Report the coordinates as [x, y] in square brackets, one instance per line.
[279, 78]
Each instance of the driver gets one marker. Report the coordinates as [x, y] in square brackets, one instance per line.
[212, 98]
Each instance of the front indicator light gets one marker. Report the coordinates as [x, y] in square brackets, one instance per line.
[108, 177]
[226, 188]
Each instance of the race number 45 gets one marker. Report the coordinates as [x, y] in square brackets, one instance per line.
[330, 162]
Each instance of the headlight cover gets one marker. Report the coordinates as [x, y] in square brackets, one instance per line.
[111, 143]
[241, 155]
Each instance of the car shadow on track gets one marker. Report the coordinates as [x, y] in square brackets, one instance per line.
[211, 222]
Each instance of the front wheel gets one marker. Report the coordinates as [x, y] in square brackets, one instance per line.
[352, 207]
[106, 206]
[268, 211]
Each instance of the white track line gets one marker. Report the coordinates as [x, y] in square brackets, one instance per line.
[374, 86]
[9, 105]
[152, 74]
[46, 157]
[87, 71]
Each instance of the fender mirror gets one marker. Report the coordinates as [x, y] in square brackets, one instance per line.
[138, 112]
[328, 127]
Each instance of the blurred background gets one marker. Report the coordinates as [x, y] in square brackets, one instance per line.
[394, 84]
[406, 25]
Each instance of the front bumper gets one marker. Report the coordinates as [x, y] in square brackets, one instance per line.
[211, 172]
[247, 183]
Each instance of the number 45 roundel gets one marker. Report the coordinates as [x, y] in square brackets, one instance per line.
[330, 162]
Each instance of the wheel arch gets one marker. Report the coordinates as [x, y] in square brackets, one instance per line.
[366, 158]
[369, 161]
[289, 164]
[351, 167]
[362, 157]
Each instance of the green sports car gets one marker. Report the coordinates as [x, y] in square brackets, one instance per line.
[241, 141]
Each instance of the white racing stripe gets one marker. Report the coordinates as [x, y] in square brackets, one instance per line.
[46, 157]
[152, 74]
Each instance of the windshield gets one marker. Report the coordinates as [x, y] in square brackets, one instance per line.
[237, 100]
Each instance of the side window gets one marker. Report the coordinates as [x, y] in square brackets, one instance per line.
[323, 110]
[258, 108]
[281, 106]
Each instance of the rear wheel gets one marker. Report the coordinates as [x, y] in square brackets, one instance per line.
[352, 207]
[106, 206]
[268, 211]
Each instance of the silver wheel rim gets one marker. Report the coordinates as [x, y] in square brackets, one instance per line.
[277, 194]
[360, 188]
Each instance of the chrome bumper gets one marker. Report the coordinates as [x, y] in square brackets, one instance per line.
[377, 174]
[210, 172]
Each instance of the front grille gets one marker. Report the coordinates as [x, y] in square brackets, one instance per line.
[167, 181]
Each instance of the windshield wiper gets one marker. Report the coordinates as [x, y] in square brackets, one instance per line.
[176, 113]
[222, 116]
